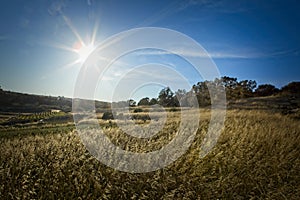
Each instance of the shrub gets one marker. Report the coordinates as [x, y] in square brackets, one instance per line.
[144, 117]
[174, 109]
[137, 110]
[108, 115]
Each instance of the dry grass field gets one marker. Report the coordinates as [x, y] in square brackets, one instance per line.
[257, 157]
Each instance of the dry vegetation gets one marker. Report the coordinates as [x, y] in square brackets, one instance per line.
[257, 157]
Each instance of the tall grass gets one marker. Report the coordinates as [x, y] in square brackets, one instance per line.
[257, 157]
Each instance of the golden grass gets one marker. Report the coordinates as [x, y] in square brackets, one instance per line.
[256, 157]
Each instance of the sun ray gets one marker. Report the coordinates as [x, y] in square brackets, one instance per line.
[94, 34]
[69, 65]
[62, 46]
[82, 49]
[68, 21]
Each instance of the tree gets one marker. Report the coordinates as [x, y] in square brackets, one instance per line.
[230, 85]
[108, 115]
[153, 101]
[245, 88]
[181, 95]
[202, 93]
[229, 82]
[166, 98]
[266, 90]
[144, 102]
[131, 103]
[187, 99]
[291, 88]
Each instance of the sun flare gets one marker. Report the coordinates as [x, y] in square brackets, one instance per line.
[80, 47]
[84, 51]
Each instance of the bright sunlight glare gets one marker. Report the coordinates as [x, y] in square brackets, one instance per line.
[84, 51]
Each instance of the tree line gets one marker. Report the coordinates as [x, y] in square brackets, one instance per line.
[234, 90]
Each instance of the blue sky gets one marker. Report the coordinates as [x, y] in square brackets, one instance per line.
[256, 40]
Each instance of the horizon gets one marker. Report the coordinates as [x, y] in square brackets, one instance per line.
[122, 100]
[44, 45]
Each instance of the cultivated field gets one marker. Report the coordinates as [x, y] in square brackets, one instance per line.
[257, 157]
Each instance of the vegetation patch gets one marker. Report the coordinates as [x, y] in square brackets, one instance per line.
[256, 157]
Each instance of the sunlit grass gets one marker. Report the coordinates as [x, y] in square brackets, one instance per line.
[257, 156]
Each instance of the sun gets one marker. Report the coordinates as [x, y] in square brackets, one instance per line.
[80, 47]
[84, 51]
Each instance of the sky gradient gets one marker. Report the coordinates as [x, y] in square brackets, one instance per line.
[257, 40]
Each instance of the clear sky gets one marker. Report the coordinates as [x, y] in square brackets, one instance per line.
[41, 53]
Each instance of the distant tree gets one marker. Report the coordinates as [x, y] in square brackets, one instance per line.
[230, 85]
[229, 82]
[187, 99]
[131, 103]
[245, 88]
[108, 115]
[144, 102]
[181, 95]
[153, 101]
[202, 93]
[291, 88]
[266, 90]
[167, 98]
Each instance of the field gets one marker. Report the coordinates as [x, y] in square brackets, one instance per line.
[257, 157]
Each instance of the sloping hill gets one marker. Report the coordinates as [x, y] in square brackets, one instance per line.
[283, 103]
[28, 103]
[19, 102]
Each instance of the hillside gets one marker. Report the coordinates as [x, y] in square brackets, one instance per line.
[287, 102]
[283, 103]
[28, 103]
